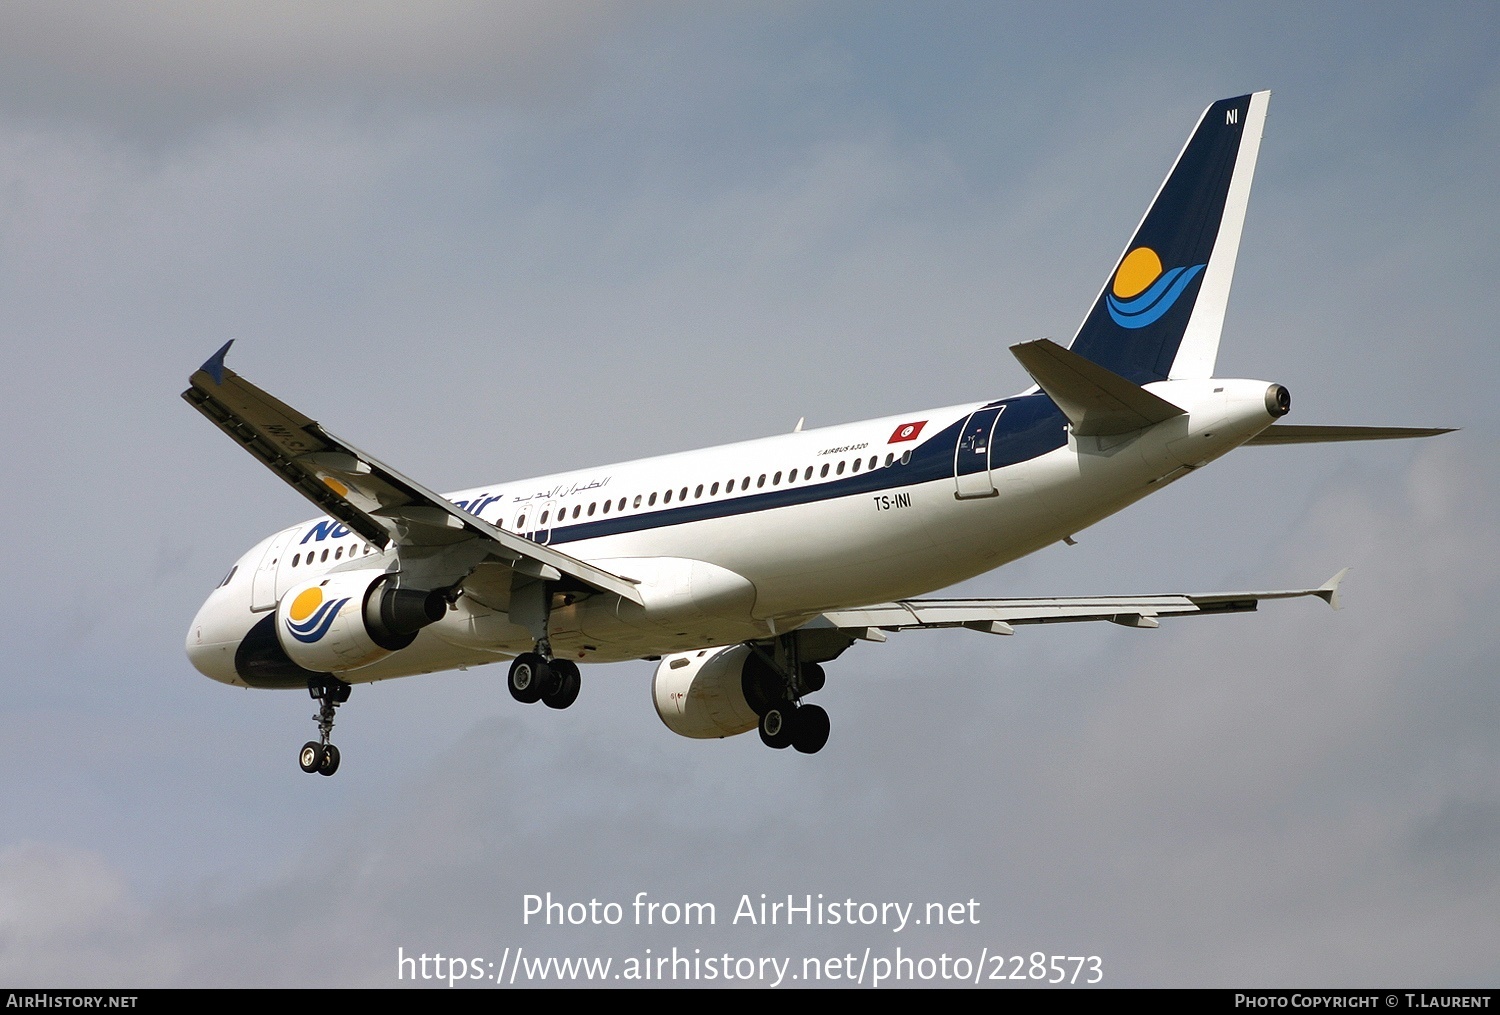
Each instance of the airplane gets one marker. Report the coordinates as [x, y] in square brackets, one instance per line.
[743, 569]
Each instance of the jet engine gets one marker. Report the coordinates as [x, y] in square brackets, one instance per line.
[703, 695]
[351, 619]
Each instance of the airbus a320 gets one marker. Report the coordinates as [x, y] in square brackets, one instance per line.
[744, 569]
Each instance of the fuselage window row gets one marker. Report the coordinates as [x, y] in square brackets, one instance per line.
[635, 503]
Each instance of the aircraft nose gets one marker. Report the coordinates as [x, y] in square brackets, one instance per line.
[214, 660]
[211, 645]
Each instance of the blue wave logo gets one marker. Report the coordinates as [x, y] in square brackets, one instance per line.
[310, 617]
[1143, 292]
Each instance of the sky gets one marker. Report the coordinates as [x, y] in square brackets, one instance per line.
[488, 241]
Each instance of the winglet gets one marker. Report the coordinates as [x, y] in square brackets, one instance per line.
[214, 366]
[1329, 592]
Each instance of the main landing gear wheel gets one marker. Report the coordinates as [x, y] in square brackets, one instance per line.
[810, 729]
[529, 676]
[562, 689]
[776, 727]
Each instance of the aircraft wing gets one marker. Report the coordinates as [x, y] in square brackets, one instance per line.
[998, 616]
[369, 497]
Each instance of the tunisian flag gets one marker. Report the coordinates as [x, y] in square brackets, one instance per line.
[907, 432]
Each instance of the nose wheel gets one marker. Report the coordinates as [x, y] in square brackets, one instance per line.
[319, 755]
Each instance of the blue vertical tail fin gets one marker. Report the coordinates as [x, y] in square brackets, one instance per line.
[1160, 313]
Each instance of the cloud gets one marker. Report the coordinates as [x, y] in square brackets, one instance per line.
[144, 65]
[1297, 796]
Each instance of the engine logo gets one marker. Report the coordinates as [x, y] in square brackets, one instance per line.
[310, 617]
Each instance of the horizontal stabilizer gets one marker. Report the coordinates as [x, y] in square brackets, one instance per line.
[1096, 401]
[1287, 433]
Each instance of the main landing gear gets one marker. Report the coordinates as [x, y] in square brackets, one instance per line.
[804, 727]
[553, 682]
[319, 755]
[774, 684]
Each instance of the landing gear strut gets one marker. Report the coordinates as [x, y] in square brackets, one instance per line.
[319, 755]
[774, 684]
[537, 676]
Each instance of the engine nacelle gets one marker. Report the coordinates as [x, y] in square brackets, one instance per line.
[708, 693]
[351, 619]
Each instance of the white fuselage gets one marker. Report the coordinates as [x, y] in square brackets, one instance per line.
[753, 539]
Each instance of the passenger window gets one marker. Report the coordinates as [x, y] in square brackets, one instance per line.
[606, 507]
[873, 460]
[840, 470]
[698, 492]
[714, 490]
[325, 556]
[338, 553]
[295, 559]
[729, 487]
[776, 479]
[824, 472]
[683, 494]
[622, 505]
[666, 498]
[637, 501]
[888, 460]
[592, 505]
[809, 473]
[520, 523]
[652, 501]
[857, 463]
[544, 516]
[745, 483]
[791, 477]
[906, 458]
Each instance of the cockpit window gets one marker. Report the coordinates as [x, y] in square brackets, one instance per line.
[229, 577]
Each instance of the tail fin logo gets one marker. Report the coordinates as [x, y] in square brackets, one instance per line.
[1142, 292]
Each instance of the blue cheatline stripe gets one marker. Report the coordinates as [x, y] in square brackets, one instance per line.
[1030, 427]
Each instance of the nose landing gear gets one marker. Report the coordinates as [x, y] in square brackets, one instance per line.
[319, 755]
